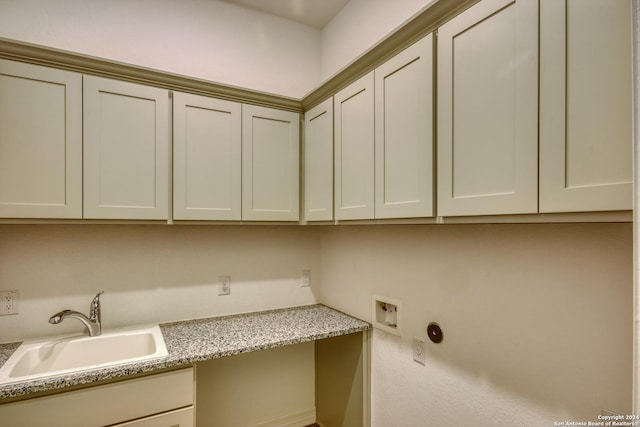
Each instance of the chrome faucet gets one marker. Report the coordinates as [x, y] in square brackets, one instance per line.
[92, 322]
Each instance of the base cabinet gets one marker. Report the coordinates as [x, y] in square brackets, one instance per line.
[151, 401]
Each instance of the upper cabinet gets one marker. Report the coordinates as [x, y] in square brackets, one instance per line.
[126, 150]
[318, 162]
[488, 110]
[585, 105]
[354, 150]
[384, 139]
[207, 165]
[233, 161]
[40, 142]
[532, 102]
[270, 164]
[404, 133]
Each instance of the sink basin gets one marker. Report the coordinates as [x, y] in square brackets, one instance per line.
[65, 355]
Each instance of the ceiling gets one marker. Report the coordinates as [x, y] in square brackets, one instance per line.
[315, 13]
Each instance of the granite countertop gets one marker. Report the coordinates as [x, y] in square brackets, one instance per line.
[199, 340]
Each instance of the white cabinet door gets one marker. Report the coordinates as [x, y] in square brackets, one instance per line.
[40, 142]
[207, 172]
[318, 164]
[126, 150]
[270, 164]
[354, 150]
[585, 105]
[488, 110]
[404, 133]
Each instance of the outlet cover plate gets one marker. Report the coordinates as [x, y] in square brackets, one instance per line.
[418, 350]
[224, 287]
[9, 302]
[305, 278]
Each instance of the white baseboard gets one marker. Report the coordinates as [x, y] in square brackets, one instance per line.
[297, 419]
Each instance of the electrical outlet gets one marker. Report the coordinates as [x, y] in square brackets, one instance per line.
[9, 302]
[418, 350]
[305, 278]
[224, 287]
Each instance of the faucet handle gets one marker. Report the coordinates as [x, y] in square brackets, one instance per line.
[94, 310]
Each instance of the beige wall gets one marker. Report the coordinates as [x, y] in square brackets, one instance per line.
[536, 319]
[267, 388]
[210, 40]
[150, 273]
[360, 25]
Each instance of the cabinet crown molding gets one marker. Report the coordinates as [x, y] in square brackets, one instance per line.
[414, 29]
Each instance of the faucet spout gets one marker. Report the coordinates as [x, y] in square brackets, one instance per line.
[93, 322]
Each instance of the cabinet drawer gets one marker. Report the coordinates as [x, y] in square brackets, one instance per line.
[104, 405]
[180, 418]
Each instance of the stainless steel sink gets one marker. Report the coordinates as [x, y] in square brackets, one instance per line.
[65, 355]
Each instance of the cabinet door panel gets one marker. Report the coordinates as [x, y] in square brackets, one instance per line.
[318, 154]
[487, 110]
[270, 164]
[403, 133]
[354, 150]
[207, 158]
[126, 150]
[585, 105]
[40, 142]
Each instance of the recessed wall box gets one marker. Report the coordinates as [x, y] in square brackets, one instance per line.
[386, 314]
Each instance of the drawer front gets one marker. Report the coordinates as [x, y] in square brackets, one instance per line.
[104, 405]
[180, 418]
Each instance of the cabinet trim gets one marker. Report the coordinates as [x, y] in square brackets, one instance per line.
[421, 24]
[85, 64]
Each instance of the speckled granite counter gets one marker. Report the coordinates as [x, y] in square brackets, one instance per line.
[205, 339]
